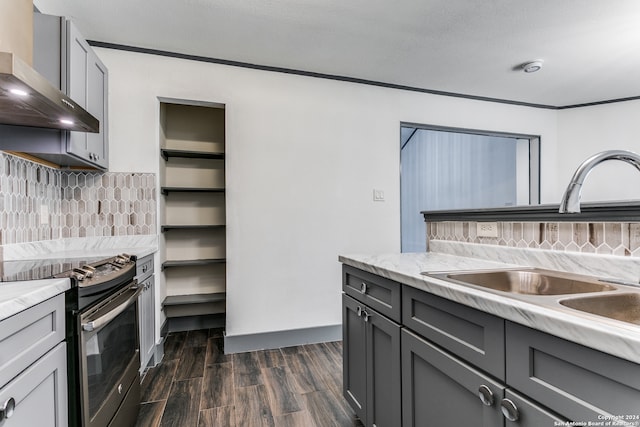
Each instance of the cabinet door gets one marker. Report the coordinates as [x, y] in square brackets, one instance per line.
[441, 390]
[355, 355]
[528, 413]
[146, 322]
[40, 392]
[383, 370]
[577, 382]
[87, 83]
[27, 335]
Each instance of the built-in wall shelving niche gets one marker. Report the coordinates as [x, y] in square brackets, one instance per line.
[193, 214]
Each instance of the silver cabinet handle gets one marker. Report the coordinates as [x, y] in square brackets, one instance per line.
[509, 410]
[7, 409]
[145, 268]
[363, 288]
[366, 315]
[359, 311]
[486, 395]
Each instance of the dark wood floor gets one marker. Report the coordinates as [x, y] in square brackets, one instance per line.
[198, 385]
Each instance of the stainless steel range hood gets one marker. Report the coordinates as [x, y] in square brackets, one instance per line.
[28, 99]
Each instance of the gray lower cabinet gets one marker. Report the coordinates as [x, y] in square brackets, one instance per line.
[440, 390]
[38, 395]
[354, 344]
[521, 411]
[371, 364]
[463, 367]
[582, 384]
[472, 335]
[378, 293]
[33, 366]
[146, 311]
[454, 363]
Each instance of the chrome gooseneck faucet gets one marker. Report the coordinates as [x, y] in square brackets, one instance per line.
[571, 199]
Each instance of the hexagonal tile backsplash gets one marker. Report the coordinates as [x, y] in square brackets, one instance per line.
[608, 238]
[41, 203]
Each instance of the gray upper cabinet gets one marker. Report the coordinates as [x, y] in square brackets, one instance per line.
[87, 80]
[63, 56]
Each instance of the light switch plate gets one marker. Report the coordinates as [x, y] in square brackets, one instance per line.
[378, 195]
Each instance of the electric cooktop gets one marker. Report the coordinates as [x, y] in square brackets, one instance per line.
[34, 269]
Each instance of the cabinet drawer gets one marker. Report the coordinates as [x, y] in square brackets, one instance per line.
[144, 267]
[383, 295]
[578, 382]
[473, 335]
[26, 336]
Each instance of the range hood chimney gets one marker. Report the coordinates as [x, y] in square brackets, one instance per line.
[26, 97]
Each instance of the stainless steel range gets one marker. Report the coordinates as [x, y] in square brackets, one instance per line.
[103, 343]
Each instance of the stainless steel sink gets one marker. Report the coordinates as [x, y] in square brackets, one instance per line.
[529, 281]
[624, 306]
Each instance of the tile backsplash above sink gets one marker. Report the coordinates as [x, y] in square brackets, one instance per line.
[603, 238]
[41, 203]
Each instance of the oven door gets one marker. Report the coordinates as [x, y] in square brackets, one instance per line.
[110, 358]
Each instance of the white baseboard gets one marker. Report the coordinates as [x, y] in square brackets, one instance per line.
[278, 339]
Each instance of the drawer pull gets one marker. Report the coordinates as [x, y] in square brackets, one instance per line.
[359, 311]
[7, 409]
[366, 315]
[509, 410]
[486, 395]
[363, 288]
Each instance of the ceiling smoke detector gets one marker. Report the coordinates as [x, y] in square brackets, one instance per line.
[532, 67]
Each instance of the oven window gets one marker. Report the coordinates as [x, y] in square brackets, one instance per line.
[109, 351]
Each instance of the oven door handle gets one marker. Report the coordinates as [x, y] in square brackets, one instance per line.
[112, 314]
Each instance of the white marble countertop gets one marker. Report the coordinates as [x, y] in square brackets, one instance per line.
[18, 296]
[613, 337]
[140, 246]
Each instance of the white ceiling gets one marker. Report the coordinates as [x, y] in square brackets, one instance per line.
[590, 48]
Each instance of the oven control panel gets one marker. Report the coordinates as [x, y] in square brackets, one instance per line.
[118, 268]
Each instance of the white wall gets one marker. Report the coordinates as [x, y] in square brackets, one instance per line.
[589, 130]
[303, 156]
